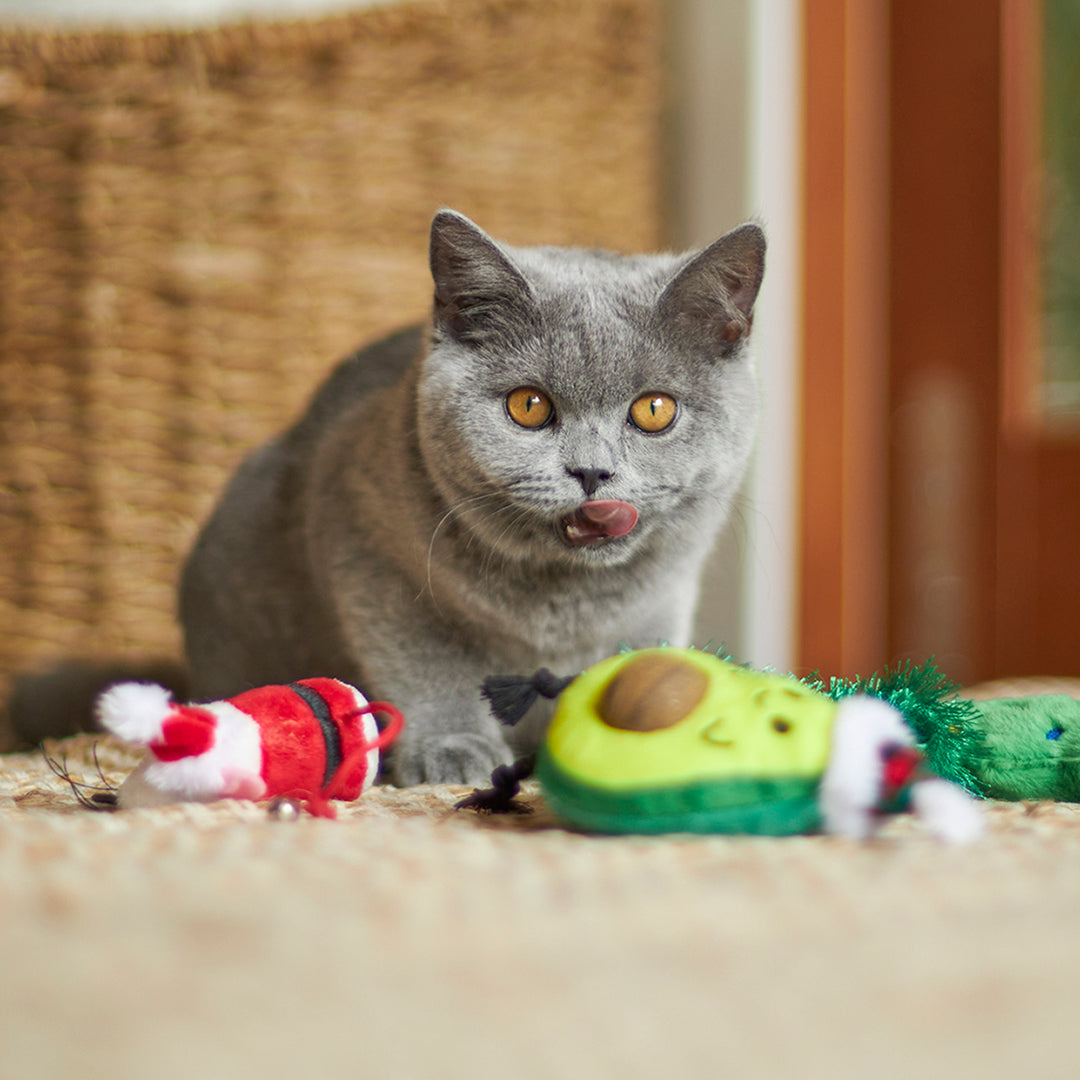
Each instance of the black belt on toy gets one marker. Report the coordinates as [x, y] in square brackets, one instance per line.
[330, 732]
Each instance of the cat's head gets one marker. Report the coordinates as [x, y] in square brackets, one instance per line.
[576, 405]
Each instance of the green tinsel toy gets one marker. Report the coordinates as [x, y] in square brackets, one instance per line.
[1004, 748]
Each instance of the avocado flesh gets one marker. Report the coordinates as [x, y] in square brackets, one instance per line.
[749, 726]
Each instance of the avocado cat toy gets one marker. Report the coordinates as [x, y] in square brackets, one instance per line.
[677, 740]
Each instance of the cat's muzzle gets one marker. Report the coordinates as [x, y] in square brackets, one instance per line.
[597, 521]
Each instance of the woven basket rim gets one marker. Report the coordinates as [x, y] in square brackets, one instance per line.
[224, 44]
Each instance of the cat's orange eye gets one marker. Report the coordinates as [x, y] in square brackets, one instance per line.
[529, 407]
[653, 412]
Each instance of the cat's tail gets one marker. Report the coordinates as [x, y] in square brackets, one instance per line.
[59, 701]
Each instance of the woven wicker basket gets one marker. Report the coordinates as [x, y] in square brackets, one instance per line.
[194, 226]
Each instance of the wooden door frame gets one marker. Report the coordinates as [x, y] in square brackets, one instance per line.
[903, 189]
[842, 613]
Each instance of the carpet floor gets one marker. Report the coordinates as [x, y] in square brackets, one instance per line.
[405, 939]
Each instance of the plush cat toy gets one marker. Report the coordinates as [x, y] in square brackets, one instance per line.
[315, 740]
[677, 740]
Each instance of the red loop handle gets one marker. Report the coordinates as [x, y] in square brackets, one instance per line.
[392, 729]
[385, 737]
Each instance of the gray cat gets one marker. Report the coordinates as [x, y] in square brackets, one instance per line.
[535, 480]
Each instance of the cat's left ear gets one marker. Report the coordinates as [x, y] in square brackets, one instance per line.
[712, 296]
[477, 288]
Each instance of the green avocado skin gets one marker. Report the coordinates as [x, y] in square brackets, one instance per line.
[1030, 748]
[772, 806]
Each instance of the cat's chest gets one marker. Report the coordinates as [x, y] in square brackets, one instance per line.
[582, 621]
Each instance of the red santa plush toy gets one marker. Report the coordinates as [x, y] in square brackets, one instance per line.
[315, 739]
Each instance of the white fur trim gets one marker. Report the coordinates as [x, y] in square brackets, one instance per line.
[948, 810]
[851, 785]
[232, 764]
[134, 711]
[371, 733]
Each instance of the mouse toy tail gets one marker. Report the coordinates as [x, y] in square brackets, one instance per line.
[505, 784]
[511, 696]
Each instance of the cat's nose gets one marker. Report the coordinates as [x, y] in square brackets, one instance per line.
[590, 479]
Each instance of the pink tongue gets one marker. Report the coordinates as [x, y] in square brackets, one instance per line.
[614, 518]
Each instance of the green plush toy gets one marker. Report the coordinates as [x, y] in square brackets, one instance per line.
[1003, 748]
[1030, 748]
[677, 740]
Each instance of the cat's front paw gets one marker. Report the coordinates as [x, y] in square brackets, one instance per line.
[459, 758]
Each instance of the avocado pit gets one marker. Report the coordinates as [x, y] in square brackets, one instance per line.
[652, 692]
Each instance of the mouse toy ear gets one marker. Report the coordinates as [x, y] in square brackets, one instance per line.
[511, 696]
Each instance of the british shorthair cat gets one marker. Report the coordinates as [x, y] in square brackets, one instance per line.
[533, 479]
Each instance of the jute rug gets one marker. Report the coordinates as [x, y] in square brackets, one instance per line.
[407, 940]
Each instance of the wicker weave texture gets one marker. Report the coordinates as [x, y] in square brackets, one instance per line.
[194, 226]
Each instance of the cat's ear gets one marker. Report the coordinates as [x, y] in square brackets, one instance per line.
[712, 297]
[477, 288]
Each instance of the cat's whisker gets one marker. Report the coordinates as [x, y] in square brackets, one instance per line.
[451, 511]
[496, 547]
[471, 499]
[745, 531]
[490, 547]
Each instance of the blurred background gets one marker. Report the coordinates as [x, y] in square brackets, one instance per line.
[204, 205]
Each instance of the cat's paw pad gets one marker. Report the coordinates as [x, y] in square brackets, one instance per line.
[462, 758]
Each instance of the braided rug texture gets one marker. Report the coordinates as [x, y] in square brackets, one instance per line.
[405, 939]
[194, 226]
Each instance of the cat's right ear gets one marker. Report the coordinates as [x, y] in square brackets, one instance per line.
[477, 288]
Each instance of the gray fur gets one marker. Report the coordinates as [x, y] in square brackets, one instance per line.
[402, 535]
